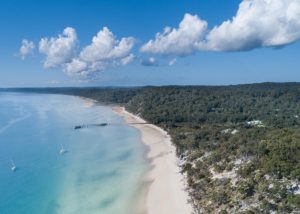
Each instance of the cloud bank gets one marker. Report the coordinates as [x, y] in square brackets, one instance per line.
[257, 23]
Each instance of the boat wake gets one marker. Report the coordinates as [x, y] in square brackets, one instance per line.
[14, 121]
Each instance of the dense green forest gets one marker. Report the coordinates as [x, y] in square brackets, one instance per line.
[239, 145]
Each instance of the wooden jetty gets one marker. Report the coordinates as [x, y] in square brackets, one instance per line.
[103, 124]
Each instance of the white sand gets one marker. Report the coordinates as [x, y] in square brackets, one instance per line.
[166, 193]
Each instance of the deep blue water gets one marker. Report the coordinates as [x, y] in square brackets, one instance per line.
[100, 173]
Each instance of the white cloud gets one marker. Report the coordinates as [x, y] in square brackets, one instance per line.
[75, 66]
[59, 50]
[104, 51]
[257, 23]
[181, 41]
[172, 62]
[54, 82]
[105, 46]
[151, 61]
[26, 48]
[128, 59]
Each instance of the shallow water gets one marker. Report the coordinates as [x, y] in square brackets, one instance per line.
[100, 173]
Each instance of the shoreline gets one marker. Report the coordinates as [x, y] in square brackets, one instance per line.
[166, 190]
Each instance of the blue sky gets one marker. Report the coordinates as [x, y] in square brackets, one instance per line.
[201, 56]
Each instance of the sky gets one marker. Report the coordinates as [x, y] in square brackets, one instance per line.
[148, 42]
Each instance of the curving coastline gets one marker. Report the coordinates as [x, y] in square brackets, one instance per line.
[166, 193]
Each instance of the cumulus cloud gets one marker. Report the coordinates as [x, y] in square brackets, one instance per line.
[151, 61]
[60, 49]
[128, 59]
[180, 41]
[75, 66]
[257, 23]
[105, 46]
[26, 48]
[104, 51]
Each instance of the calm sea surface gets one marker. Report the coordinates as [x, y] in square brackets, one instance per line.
[101, 171]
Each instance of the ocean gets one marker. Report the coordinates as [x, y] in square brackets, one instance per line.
[100, 172]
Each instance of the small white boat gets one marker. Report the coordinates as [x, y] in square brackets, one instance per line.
[62, 150]
[13, 166]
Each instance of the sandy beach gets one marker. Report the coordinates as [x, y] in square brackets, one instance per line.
[166, 192]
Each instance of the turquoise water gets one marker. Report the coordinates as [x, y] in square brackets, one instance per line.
[100, 173]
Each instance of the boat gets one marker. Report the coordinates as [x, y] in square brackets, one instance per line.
[62, 150]
[13, 166]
